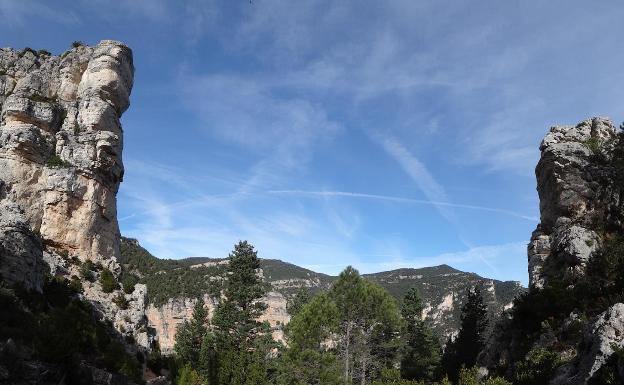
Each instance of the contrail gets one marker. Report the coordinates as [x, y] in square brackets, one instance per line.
[402, 200]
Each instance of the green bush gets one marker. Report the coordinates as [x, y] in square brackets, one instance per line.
[60, 329]
[189, 376]
[55, 161]
[393, 377]
[75, 284]
[594, 145]
[108, 281]
[77, 43]
[28, 49]
[537, 368]
[121, 301]
[471, 377]
[86, 271]
[128, 281]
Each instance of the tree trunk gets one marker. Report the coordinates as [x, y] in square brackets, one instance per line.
[348, 341]
[363, 363]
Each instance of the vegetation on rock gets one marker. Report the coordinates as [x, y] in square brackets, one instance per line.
[108, 281]
[57, 328]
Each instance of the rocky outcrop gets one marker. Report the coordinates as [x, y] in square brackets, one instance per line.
[60, 153]
[164, 320]
[574, 199]
[600, 341]
[571, 307]
[60, 168]
[21, 251]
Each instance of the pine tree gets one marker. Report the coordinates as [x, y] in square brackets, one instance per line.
[421, 353]
[308, 359]
[463, 351]
[369, 319]
[236, 316]
[240, 351]
[300, 299]
[190, 335]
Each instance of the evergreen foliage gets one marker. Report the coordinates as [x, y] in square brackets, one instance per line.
[471, 377]
[60, 329]
[353, 333]
[108, 281]
[167, 279]
[421, 353]
[121, 301]
[190, 335]
[239, 339]
[368, 324]
[537, 368]
[300, 299]
[128, 281]
[462, 352]
[86, 271]
[308, 359]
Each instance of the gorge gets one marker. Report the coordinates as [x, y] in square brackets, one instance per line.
[61, 165]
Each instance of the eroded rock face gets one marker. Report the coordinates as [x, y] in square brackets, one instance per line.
[60, 168]
[573, 199]
[600, 340]
[579, 181]
[60, 152]
[164, 320]
[21, 250]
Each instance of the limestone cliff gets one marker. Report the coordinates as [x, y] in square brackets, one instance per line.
[60, 155]
[60, 167]
[577, 197]
[164, 319]
[576, 261]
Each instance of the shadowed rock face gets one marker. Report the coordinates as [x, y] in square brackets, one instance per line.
[573, 198]
[60, 155]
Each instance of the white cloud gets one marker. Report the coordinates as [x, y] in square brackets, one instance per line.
[19, 12]
[404, 200]
[417, 171]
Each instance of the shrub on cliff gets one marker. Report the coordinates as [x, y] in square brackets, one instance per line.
[537, 368]
[56, 161]
[108, 281]
[121, 301]
[60, 330]
[86, 271]
[128, 281]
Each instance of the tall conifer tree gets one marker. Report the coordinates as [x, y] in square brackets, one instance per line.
[463, 351]
[421, 352]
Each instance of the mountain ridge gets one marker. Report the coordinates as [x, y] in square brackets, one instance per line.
[173, 286]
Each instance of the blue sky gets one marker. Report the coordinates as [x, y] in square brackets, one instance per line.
[381, 134]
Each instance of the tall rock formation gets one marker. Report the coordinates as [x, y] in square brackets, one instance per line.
[578, 197]
[60, 167]
[576, 261]
[60, 155]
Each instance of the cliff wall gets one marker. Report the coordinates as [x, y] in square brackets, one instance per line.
[61, 155]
